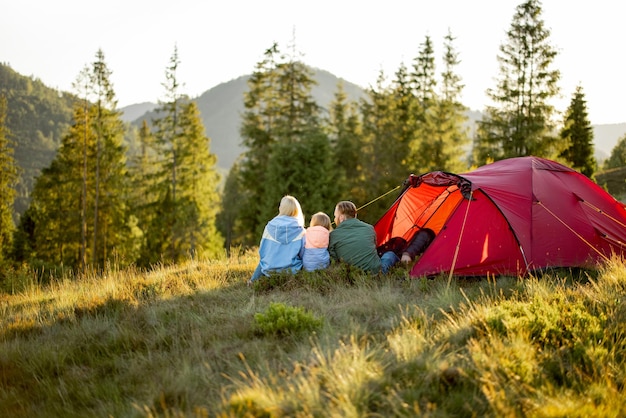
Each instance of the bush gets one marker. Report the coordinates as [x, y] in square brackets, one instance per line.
[282, 320]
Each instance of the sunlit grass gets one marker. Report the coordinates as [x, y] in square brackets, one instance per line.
[186, 340]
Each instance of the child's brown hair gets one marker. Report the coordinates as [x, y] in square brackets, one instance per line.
[320, 218]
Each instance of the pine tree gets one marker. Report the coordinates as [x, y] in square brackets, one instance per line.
[346, 136]
[406, 114]
[143, 177]
[162, 239]
[110, 209]
[60, 202]
[258, 133]
[182, 223]
[444, 134]
[282, 131]
[8, 180]
[423, 77]
[198, 180]
[520, 121]
[81, 197]
[425, 146]
[303, 169]
[229, 219]
[382, 143]
[300, 163]
[577, 133]
[81, 116]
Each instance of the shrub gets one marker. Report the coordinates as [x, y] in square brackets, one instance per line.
[282, 320]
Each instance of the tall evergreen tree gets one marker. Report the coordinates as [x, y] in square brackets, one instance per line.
[423, 77]
[83, 85]
[162, 239]
[228, 219]
[424, 145]
[183, 222]
[577, 133]
[444, 134]
[300, 162]
[406, 114]
[198, 182]
[143, 177]
[346, 136]
[284, 136]
[110, 208]
[59, 207]
[382, 143]
[80, 197]
[8, 180]
[519, 123]
[258, 133]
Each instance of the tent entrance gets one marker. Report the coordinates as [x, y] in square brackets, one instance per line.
[427, 203]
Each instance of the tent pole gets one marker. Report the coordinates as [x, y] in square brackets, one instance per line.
[458, 244]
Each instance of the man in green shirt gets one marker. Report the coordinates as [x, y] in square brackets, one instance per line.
[354, 242]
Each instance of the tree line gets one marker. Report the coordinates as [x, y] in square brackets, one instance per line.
[99, 202]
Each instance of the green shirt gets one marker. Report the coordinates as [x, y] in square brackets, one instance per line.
[354, 242]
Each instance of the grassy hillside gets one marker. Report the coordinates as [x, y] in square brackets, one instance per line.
[195, 340]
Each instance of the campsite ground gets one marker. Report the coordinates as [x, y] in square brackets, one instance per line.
[194, 340]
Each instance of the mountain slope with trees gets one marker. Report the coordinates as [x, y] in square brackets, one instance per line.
[38, 116]
[222, 106]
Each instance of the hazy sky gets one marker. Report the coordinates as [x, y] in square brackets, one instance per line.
[221, 40]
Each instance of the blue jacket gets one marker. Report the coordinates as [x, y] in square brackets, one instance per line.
[281, 245]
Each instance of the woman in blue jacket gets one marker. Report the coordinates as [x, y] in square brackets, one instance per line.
[282, 242]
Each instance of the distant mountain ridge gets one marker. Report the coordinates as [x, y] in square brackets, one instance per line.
[221, 108]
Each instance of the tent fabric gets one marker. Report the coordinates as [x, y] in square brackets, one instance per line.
[507, 218]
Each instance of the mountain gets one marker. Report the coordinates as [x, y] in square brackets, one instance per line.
[221, 108]
[136, 111]
[36, 120]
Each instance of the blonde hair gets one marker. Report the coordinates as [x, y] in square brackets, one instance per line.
[347, 208]
[289, 206]
[320, 218]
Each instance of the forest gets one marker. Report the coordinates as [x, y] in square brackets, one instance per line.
[153, 195]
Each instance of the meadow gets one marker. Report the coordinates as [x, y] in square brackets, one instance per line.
[194, 340]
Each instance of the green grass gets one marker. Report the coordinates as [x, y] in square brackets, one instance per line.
[194, 340]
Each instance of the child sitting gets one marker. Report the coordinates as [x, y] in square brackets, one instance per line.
[315, 254]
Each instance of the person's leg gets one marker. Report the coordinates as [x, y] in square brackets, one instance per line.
[387, 260]
[418, 244]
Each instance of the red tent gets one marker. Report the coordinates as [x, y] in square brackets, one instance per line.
[507, 218]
